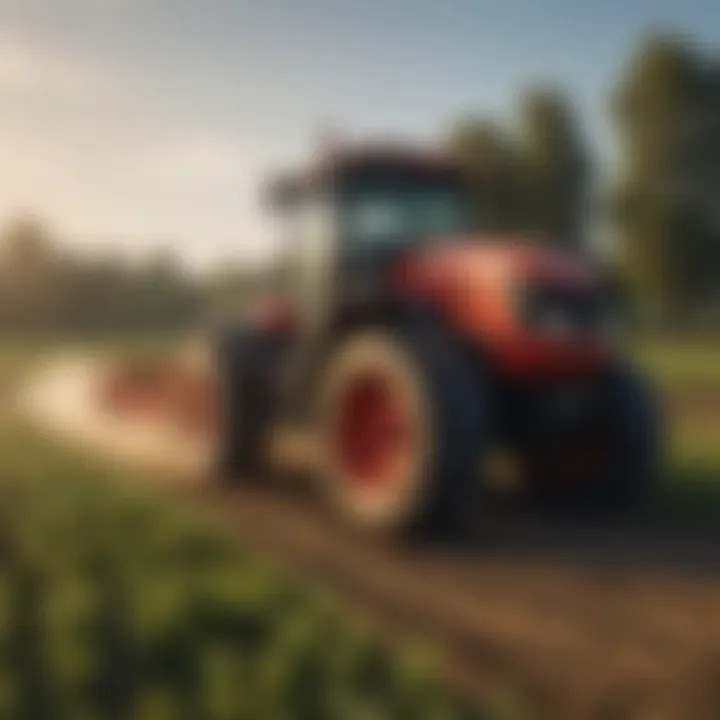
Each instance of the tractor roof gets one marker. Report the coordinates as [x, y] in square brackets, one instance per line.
[342, 162]
[382, 155]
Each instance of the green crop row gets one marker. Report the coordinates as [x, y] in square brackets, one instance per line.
[114, 605]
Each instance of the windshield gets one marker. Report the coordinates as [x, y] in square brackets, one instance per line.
[382, 218]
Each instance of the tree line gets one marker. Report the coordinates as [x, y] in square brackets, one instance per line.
[48, 290]
[537, 178]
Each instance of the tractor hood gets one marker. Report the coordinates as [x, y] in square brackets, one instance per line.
[487, 290]
[495, 260]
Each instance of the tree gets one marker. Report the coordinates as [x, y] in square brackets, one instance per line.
[651, 106]
[29, 266]
[488, 157]
[554, 167]
[535, 181]
[666, 109]
[46, 289]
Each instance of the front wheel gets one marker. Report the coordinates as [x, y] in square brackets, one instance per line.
[402, 431]
[609, 465]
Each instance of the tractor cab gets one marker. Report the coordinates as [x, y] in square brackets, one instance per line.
[377, 199]
[371, 224]
[348, 217]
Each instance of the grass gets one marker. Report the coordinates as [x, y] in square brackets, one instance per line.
[687, 372]
[691, 481]
[679, 364]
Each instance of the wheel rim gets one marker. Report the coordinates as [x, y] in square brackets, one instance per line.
[374, 436]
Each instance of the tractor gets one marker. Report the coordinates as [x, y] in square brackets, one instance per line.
[410, 350]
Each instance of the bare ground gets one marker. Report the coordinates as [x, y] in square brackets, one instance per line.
[584, 621]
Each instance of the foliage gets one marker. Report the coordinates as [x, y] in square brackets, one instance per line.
[114, 606]
[488, 158]
[555, 166]
[666, 109]
[45, 289]
[533, 181]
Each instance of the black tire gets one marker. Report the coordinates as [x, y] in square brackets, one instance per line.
[246, 394]
[634, 467]
[438, 492]
[623, 482]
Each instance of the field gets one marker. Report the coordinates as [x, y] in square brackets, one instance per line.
[118, 598]
[116, 605]
[688, 375]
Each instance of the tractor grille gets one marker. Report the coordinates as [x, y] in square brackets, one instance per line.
[563, 310]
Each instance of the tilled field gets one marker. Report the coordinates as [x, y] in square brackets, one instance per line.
[583, 621]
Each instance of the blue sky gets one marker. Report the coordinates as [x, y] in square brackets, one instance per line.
[143, 122]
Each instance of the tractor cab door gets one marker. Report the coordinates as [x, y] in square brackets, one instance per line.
[310, 258]
[386, 215]
[310, 244]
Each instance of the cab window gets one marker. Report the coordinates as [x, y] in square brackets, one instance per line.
[389, 217]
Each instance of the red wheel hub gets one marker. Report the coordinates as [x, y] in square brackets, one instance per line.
[373, 434]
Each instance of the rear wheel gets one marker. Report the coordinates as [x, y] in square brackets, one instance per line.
[402, 431]
[245, 401]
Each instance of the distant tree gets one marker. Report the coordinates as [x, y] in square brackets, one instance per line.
[666, 109]
[30, 292]
[534, 181]
[229, 289]
[46, 289]
[488, 157]
[651, 106]
[25, 242]
[555, 170]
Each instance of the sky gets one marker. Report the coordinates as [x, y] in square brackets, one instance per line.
[146, 123]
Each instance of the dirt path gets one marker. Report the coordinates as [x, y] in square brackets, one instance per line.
[62, 400]
[588, 622]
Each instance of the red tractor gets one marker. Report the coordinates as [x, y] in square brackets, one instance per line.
[411, 350]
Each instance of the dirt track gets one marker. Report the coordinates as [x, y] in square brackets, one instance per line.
[595, 622]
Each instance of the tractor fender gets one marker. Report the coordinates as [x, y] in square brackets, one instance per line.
[385, 312]
[410, 314]
[416, 316]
